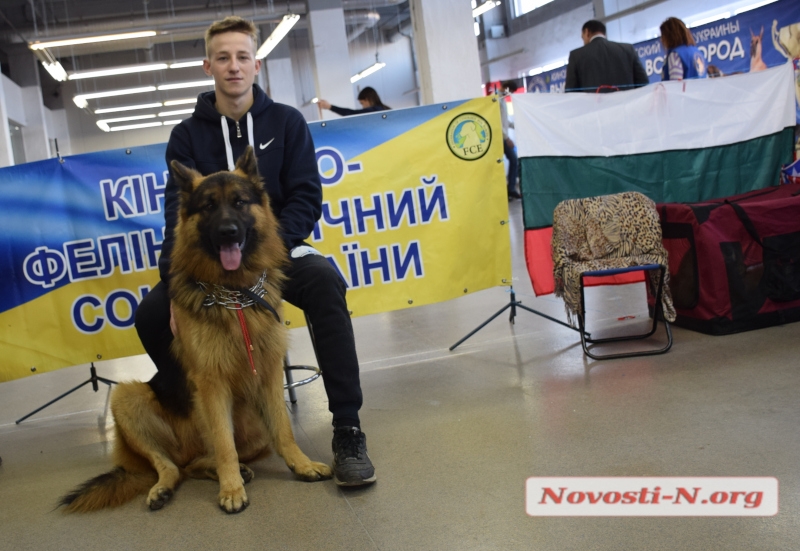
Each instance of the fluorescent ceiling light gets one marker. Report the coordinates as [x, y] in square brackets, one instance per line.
[711, 19]
[131, 118]
[118, 71]
[56, 70]
[80, 99]
[167, 103]
[182, 64]
[753, 6]
[89, 40]
[193, 84]
[135, 126]
[127, 108]
[483, 8]
[178, 112]
[168, 123]
[103, 123]
[277, 35]
[377, 66]
[172, 102]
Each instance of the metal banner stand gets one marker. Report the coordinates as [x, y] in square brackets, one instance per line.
[94, 379]
[514, 304]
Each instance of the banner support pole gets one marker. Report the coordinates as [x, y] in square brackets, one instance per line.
[513, 304]
[94, 379]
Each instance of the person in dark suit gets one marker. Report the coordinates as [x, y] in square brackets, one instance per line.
[602, 63]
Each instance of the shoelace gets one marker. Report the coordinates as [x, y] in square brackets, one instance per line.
[348, 444]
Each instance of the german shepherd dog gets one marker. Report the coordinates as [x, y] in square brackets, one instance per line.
[226, 239]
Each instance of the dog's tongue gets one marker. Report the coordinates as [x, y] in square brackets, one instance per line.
[230, 256]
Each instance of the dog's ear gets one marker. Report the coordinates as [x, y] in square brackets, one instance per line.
[184, 176]
[247, 163]
[247, 166]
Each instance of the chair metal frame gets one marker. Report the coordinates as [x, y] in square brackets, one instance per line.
[658, 311]
[291, 384]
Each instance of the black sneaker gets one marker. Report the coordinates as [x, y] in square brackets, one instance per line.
[351, 464]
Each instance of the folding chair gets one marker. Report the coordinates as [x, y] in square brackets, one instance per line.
[610, 236]
[657, 312]
[291, 384]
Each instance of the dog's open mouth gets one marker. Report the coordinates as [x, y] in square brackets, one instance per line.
[230, 255]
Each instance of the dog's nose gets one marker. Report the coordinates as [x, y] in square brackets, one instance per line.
[228, 230]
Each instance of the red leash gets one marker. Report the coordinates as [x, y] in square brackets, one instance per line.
[248, 344]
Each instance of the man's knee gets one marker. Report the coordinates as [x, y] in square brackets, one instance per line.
[153, 311]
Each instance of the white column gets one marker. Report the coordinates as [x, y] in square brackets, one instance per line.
[332, 69]
[6, 152]
[447, 50]
[279, 74]
[34, 134]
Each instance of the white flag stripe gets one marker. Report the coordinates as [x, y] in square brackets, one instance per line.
[667, 116]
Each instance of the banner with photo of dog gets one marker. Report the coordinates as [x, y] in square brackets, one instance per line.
[749, 41]
[414, 212]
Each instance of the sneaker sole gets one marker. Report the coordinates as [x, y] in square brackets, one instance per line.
[351, 483]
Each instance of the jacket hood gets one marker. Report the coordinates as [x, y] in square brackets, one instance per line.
[205, 105]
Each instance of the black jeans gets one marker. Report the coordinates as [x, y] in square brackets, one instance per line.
[315, 287]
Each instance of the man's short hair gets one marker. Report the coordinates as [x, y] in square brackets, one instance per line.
[231, 24]
[594, 27]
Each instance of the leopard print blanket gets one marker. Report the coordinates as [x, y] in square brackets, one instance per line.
[610, 231]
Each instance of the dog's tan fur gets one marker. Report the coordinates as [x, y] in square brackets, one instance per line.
[236, 416]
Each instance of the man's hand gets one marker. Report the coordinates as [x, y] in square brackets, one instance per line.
[325, 104]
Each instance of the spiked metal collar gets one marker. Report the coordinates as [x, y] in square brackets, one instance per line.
[233, 299]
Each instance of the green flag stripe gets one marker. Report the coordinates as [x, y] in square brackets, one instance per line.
[683, 176]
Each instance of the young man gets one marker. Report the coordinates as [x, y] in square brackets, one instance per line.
[601, 62]
[237, 114]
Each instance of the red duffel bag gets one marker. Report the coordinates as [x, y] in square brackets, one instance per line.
[734, 263]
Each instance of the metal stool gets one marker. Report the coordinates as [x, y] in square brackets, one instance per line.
[657, 312]
[288, 368]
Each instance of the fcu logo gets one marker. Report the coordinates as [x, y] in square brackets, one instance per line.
[469, 136]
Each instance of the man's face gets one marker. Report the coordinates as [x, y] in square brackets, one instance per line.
[233, 64]
[585, 36]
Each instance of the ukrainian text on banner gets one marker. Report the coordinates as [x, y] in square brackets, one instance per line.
[80, 242]
[414, 213]
[675, 142]
[414, 204]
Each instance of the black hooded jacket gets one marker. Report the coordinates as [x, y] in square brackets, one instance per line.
[284, 151]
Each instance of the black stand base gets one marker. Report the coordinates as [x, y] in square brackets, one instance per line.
[513, 304]
[94, 379]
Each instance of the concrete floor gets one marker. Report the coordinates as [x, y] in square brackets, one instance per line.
[453, 435]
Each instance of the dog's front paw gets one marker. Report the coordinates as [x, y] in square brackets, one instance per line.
[158, 497]
[234, 501]
[313, 471]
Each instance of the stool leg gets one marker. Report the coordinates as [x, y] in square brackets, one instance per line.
[289, 381]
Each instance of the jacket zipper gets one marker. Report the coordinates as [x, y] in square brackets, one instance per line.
[238, 130]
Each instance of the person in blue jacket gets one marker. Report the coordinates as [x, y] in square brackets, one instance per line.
[236, 114]
[368, 98]
[683, 60]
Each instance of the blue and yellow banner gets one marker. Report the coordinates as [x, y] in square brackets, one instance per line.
[414, 212]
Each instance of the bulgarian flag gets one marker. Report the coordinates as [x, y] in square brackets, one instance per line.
[682, 141]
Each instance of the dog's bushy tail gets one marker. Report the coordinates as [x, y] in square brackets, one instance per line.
[110, 489]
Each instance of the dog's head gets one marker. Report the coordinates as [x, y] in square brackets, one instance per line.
[226, 228]
[755, 43]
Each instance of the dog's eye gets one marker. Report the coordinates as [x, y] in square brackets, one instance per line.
[239, 203]
[208, 206]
